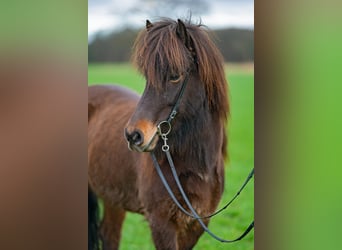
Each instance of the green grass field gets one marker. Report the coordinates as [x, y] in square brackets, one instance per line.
[233, 221]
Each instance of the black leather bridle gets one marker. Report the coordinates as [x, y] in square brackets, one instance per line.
[164, 128]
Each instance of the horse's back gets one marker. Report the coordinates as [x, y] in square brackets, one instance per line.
[111, 166]
[101, 95]
[110, 106]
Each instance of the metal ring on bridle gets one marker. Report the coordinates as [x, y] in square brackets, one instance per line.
[165, 148]
[166, 125]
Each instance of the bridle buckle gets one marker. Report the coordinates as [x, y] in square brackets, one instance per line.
[164, 128]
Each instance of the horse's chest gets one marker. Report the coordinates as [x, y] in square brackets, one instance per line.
[199, 190]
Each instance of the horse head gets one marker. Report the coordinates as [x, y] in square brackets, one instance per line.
[171, 54]
[164, 53]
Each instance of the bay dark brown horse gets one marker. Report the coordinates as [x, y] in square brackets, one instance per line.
[167, 53]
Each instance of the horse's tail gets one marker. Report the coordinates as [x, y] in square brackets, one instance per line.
[93, 221]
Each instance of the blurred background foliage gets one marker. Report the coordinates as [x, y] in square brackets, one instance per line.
[236, 45]
[113, 25]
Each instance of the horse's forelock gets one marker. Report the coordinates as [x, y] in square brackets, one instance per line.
[158, 52]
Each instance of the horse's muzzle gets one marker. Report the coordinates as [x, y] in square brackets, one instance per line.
[139, 141]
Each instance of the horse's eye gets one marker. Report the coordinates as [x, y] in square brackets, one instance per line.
[174, 78]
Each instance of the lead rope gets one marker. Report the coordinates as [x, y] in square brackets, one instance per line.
[194, 213]
[165, 149]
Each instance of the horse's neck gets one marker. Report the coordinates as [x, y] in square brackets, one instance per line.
[199, 142]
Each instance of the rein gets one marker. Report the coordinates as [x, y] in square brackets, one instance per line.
[164, 128]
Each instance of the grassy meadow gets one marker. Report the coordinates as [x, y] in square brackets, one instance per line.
[235, 219]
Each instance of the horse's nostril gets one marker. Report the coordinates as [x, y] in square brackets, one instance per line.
[135, 137]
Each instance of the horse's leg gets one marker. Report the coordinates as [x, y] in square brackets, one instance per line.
[163, 233]
[111, 227]
[188, 238]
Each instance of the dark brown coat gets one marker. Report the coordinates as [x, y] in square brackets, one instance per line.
[165, 52]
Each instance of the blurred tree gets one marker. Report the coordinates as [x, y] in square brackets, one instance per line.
[236, 45]
[115, 47]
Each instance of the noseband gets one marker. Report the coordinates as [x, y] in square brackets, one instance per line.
[164, 129]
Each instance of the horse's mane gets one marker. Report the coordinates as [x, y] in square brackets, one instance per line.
[158, 51]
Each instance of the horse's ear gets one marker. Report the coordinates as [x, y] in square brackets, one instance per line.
[183, 35]
[149, 25]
